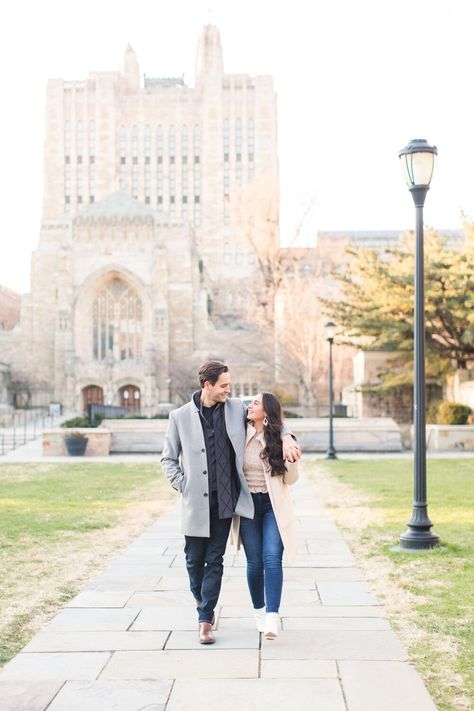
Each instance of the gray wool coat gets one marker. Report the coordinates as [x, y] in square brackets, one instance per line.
[185, 463]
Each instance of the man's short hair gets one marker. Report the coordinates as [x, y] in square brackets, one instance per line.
[210, 370]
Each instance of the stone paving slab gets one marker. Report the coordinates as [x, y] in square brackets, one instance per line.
[93, 619]
[335, 623]
[55, 666]
[344, 593]
[359, 645]
[27, 695]
[207, 663]
[141, 570]
[161, 598]
[337, 545]
[113, 583]
[228, 639]
[96, 641]
[330, 575]
[298, 669]
[391, 686]
[258, 694]
[167, 618]
[101, 598]
[117, 695]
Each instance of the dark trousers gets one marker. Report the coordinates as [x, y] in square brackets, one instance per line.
[204, 562]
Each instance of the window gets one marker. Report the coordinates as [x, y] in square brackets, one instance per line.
[117, 322]
[159, 167]
[172, 167]
[123, 159]
[197, 175]
[251, 147]
[238, 150]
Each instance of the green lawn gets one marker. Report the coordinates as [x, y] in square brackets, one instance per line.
[59, 523]
[441, 581]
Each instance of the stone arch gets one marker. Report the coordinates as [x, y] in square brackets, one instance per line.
[130, 397]
[92, 394]
[112, 317]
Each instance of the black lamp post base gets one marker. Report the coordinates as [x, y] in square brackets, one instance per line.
[331, 454]
[414, 539]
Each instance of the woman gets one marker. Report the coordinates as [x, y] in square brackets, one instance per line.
[273, 528]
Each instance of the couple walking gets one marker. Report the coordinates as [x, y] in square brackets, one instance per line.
[233, 475]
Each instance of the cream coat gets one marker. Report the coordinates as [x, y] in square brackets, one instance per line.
[278, 490]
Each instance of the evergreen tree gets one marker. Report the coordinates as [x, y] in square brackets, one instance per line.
[376, 308]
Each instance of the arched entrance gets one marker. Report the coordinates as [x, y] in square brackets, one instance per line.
[92, 395]
[130, 397]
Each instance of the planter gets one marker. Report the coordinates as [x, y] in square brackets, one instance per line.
[76, 446]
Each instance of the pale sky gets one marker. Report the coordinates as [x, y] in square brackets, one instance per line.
[356, 80]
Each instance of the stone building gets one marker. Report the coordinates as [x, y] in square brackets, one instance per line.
[143, 255]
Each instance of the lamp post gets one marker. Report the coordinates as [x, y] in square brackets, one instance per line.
[417, 162]
[331, 452]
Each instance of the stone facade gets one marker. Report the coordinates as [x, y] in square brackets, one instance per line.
[143, 255]
[10, 303]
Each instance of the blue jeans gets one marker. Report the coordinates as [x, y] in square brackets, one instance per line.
[264, 550]
[204, 562]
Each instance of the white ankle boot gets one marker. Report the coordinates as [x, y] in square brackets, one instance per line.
[260, 615]
[272, 625]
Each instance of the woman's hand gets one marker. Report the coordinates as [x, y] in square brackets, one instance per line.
[291, 449]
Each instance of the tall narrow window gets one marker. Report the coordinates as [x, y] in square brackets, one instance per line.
[251, 147]
[147, 154]
[67, 165]
[123, 158]
[159, 168]
[135, 186]
[79, 167]
[238, 151]
[197, 176]
[117, 322]
[226, 149]
[91, 146]
[184, 171]
[172, 168]
[227, 253]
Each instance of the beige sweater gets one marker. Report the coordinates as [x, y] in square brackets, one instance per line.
[254, 470]
[279, 492]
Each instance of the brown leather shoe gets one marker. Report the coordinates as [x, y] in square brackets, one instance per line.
[205, 633]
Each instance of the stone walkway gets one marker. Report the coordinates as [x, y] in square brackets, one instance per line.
[128, 642]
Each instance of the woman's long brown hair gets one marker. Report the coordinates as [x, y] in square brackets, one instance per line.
[273, 450]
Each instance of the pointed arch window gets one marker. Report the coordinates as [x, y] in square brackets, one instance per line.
[117, 322]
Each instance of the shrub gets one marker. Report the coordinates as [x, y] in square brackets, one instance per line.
[432, 412]
[452, 413]
[81, 421]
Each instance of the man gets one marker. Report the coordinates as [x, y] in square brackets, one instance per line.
[202, 458]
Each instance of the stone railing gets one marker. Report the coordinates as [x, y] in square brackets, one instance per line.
[458, 438]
